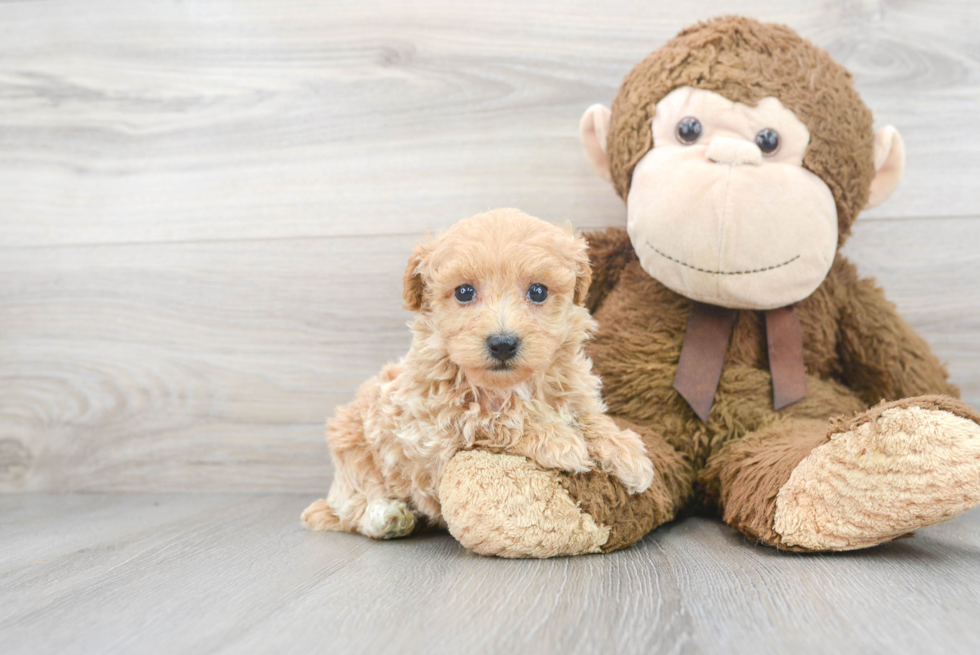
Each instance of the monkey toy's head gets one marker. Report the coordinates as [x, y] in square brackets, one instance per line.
[744, 154]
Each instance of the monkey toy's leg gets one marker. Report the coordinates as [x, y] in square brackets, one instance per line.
[630, 517]
[809, 485]
[507, 506]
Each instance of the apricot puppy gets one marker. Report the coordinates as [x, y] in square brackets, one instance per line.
[496, 362]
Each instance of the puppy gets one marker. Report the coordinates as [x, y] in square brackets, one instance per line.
[496, 362]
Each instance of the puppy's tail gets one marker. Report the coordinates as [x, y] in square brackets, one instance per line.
[319, 517]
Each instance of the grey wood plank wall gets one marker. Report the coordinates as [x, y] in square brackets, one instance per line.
[205, 208]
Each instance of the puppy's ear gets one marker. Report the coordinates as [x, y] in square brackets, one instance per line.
[583, 271]
[413, 282]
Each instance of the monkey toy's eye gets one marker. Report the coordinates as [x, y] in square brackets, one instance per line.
[768, 141]
[537, 293]
[689, 130]
[465, 293]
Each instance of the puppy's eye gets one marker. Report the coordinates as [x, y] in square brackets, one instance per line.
[768, 141]
[689, 130]
[537, 293]
[465, 293]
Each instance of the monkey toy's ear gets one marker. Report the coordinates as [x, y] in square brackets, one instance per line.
[594, 130]
[413, 282]
[889, 164]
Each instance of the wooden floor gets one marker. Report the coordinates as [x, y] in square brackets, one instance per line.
[205, 211]
[195, 574]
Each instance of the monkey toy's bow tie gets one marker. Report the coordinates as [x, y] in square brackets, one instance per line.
[709, 330]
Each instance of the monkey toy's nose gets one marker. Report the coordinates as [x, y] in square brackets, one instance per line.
[734, 152]
[503, 346]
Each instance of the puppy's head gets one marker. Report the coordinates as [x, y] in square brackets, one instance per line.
[500, 294]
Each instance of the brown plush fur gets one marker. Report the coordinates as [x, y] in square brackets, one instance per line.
[857, 349]
[745, 61]
[932, 403]
[447, 394]
[747, 474]
[629, 517]
[817, 475]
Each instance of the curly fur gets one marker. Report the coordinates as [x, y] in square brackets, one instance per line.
[447, 394]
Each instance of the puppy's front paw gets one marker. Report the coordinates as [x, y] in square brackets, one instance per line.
[569, 455]
[387, 519]
[634, 471]
[624, 455]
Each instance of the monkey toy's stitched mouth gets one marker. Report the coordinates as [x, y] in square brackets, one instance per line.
[710, 272]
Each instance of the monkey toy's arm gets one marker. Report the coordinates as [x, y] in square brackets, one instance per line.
[609, 253]
[883, 358]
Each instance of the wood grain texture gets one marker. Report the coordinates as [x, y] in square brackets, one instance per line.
[206, 574]
[205, 208]
[134, 368]
[145, 121]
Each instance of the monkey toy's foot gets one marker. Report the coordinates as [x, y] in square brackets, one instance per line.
[898, 467]
[508, 506]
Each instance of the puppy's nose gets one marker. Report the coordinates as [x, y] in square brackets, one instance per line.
[503, 346]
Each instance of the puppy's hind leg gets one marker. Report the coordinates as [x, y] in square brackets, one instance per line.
[381, 519]
[319, 517]
[359, 498]
[385, 518]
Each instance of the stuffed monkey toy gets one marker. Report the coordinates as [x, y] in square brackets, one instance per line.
[772, 385]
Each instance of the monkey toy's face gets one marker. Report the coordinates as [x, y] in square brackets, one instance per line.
[721, 208]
